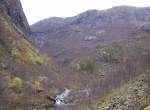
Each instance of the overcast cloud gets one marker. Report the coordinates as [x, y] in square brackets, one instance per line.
[36, 10]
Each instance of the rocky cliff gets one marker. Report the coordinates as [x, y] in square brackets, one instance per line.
[14, 13]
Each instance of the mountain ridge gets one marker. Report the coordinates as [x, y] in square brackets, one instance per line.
[89, 59]
[99, 14]
[118, 23]
[104, 50]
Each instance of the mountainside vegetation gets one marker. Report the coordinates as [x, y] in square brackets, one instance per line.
[102, 50]
[97, 56]
[21, 68]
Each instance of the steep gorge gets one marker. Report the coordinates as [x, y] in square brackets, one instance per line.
[96, 55]
[97, 50]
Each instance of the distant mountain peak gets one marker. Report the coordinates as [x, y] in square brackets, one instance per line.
[95, 18]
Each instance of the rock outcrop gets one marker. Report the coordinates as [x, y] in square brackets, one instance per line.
[135, 96]
[14, 13]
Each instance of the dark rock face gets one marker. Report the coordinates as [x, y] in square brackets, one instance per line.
[14, 12]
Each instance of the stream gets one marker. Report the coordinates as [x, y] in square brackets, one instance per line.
[61, 99]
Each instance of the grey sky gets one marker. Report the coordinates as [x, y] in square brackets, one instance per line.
[36, 10]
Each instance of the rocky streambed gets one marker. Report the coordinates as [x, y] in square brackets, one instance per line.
[63, 99]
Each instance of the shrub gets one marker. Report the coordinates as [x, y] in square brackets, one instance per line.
[88, 65]
[54, 91]
[5, 80]
[17, 82]
[112, 54]
[36, 85]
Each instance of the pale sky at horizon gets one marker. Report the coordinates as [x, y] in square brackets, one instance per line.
[37, 10]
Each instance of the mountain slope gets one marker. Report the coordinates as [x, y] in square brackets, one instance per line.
[59, 36]
[23, 70]
[98, 51]
[135, 93]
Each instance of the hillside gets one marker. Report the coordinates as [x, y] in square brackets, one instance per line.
[102, 50]
[66, 38]
[134, 96]
[23, 70]
[100, 58]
